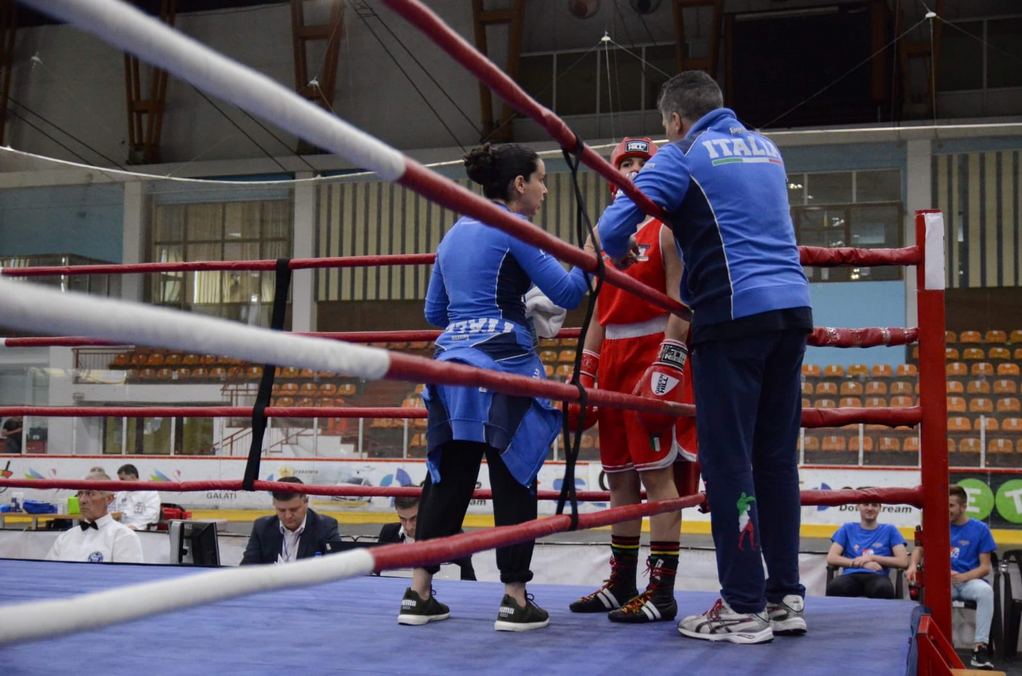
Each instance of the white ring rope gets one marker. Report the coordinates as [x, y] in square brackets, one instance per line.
[42, 619]
[31, 307]
[126, 27]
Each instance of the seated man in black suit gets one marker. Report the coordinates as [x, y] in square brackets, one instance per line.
[296, 532]
[404, 531]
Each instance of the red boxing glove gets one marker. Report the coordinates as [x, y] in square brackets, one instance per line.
[663, 381]
[587, 379]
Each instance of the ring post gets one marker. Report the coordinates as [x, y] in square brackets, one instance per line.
[930, 277]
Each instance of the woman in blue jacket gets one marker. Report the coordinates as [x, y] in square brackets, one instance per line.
[476, 295]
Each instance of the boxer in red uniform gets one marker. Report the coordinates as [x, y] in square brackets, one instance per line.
[643, 352]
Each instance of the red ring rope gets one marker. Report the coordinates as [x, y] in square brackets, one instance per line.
[820, 337]
[908, 496]
[811, 417]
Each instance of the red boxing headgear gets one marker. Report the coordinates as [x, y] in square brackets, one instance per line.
[631, 147]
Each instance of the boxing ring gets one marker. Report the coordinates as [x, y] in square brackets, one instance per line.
[324, 614]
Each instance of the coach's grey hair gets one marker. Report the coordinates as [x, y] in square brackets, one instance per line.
[691, 94]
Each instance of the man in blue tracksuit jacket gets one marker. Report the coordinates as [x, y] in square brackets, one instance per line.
[725, 191]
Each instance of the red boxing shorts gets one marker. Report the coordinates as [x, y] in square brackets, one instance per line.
[624, 443]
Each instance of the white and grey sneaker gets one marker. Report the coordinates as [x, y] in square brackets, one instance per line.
[721, 623]
[789, 616]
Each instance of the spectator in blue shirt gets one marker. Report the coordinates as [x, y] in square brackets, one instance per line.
[971, 544]
[866, 550]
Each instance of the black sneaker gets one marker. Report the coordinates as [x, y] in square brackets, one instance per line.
[981, 659]
[513, 617]
[415, 611]
[646, 607]
[610, 596]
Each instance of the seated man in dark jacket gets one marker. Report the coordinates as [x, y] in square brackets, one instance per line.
[404, 531]
[296, 532]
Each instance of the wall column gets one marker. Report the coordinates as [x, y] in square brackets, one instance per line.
[303, 282]
[132, 286]
[918, 195]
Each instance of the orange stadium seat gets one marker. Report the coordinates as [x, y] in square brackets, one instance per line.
[1008, 370]
[998, 354]
[956, 405]
[811, 371]
[253, 371]
[834, 442]
[548, 342]
[284, 401]
[806, 403]
[172, 359]
[208, 359]
[987, 423]
[951, 446]
[1017, 354]
[906, 371]
[882, 371]
[566, 357]
[826, 389]
[858, 371]
[983, 369]
[825, 403]
[562, 371]
[887, 444]
[978, 387]
[121, 361]
[327, 390]
[876, 402]
[902, 402]
[1016, 337]
[1009, 406]
[959, 423]
[1005, 386]
[969, 445]
[951, 354]
[807, 389]
[875, 388]
[549, 370]
[420, 388]
[200, 373]
[548, 356]
[955, 387]
[1012, 425]
[915, 353]
[419, 345]
[851, 388]
[308, 389]
[346, 390]
[911, 445]
[973, 354]
[995, 337]
[957, 369]
[901, 387]
[851, 402]
[811, 444]
[305, 402]
[833, 371]
[218, 372]
[970, 337]
[950, 337]
[190, 360]
[307, 373]
[155, 359]
[165, 373]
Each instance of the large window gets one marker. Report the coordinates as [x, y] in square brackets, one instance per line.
[220, 231]
[980, 54]
[859, 209]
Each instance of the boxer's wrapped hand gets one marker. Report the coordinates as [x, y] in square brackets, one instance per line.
[587, 378]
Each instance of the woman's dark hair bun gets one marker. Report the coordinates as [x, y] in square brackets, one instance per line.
[481, 164]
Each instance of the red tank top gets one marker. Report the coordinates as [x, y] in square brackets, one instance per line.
[621, 307]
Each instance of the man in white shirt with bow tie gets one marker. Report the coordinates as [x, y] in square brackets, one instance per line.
[97, 538]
